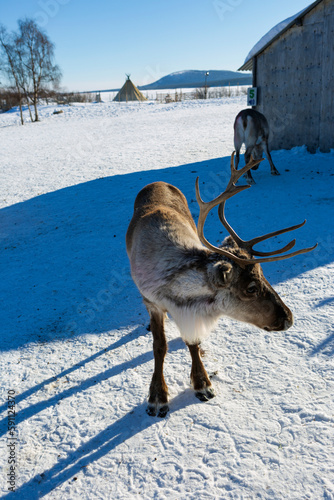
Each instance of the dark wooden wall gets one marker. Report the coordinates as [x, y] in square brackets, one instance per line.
[295, 81]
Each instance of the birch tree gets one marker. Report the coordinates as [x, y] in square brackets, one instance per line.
[36, 56]
[10, 62]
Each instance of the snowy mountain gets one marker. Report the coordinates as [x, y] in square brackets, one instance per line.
[196, 78]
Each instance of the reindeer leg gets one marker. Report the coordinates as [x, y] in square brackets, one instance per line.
[237, 157]
[273, 169]
[238, 140]
[158, 395]
[199, 378]
[248, 175]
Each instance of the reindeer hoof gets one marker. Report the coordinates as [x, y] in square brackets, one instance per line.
[153, 411]
[205, 394]
[250, 181]
[163, 411]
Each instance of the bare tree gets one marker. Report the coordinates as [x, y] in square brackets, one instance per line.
[10, 64]
[28, 63]
[36, 55]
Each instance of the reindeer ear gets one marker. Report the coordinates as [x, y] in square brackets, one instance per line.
[220, 274]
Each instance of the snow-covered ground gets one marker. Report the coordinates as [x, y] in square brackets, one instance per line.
[75, 352]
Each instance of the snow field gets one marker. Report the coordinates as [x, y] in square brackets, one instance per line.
[74, 344]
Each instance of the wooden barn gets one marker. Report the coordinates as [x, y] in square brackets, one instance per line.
[293, 72]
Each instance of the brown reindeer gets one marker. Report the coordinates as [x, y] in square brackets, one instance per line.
[251, 128]
[197, 284]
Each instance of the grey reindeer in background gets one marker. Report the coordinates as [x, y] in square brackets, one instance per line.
[251, 128]
[178, 271]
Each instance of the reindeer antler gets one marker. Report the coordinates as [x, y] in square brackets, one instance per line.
[230, 191]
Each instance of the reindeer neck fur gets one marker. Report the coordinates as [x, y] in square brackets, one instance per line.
[193, 290]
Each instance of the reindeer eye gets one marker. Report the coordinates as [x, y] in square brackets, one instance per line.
[252, 289]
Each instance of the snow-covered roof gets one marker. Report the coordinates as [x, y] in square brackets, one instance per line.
[272, 34]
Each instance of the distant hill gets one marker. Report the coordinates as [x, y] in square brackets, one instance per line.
[196, 78]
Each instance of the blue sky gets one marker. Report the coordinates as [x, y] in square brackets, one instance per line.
[98, 41]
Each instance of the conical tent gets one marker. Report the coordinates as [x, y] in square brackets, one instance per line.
[129, 92]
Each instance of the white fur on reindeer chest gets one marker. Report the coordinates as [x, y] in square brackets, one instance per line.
[192, 305]
[193, 327]
[185, 295]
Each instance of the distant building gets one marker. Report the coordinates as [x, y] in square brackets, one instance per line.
[293, 71]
